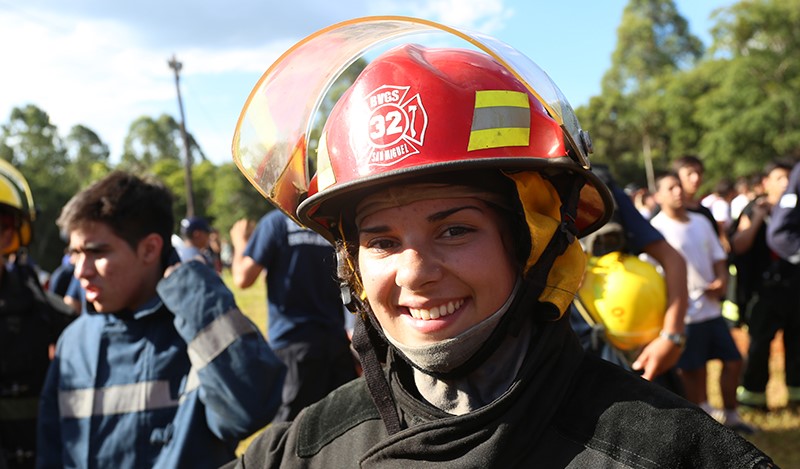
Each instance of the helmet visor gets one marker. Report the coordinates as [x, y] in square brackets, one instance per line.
[271, 140]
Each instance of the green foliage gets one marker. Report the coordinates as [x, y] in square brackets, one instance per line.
[150, 141]
[653, 40]
[752, 114]
[628, 119]
[233, 198]
[85, 148]
[736, 107]
[173, 175]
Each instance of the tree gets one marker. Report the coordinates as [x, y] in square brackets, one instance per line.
[87, 153]
[653, 43]
[752, 114]
[171, 173]
[33, 141]
[234, 198]
[150, 141]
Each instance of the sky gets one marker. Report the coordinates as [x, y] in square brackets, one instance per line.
[103, 64]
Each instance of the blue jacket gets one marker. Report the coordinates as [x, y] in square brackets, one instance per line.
[177, 383]
[783, 230]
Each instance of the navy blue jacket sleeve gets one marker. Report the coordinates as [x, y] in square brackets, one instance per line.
[239, 377]
[783, 229]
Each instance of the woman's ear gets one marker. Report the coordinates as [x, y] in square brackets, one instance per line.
[150, 248]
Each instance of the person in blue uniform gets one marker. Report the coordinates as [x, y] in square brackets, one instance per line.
[305, 313]
[162, 370]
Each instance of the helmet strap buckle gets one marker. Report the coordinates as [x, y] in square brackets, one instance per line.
[345, 291]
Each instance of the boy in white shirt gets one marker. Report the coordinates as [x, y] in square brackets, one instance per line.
[707, 334]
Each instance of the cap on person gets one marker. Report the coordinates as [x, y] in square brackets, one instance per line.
[192, 224]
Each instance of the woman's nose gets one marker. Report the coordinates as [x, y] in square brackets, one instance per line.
[415, 268]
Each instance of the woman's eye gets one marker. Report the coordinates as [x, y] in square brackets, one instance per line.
[454, 231]
[381, 244]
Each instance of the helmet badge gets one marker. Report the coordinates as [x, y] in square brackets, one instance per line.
[396, 125]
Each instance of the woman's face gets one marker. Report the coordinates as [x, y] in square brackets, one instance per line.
[433, 268]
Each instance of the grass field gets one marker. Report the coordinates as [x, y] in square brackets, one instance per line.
[780, 428]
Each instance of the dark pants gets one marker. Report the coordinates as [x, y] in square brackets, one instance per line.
[312, 371]
[771, 310]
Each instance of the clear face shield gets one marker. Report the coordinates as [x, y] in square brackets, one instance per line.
[272, 137]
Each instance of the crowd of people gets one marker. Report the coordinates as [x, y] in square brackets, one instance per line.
[452, 216]
[759, 276]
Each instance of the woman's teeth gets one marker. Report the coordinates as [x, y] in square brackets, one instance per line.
[437, 311]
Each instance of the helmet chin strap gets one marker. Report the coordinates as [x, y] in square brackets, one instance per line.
[365, 341]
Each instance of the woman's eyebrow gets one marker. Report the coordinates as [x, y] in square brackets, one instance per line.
[374, 229]
[438, 216]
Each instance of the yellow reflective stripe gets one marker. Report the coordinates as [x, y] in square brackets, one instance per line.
[495, 138]
[118, 399]
[217, 336]
[501, 119]
[492, 98]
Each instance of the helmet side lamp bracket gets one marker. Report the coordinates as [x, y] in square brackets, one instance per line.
[580, 144]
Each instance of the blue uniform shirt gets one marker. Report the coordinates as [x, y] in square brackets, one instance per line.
[303, 294]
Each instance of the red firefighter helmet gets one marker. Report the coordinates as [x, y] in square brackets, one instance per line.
[412, 112]
[416, 112]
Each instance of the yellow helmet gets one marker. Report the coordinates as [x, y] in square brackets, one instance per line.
[627, 296]
[16, 195]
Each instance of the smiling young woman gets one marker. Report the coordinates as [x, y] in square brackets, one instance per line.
[455, 187]
[434, 267]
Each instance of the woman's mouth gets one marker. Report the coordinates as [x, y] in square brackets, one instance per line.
[437, 311]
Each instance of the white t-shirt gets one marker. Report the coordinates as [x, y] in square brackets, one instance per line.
[720, 209]
[738, 204]
[700, 247]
